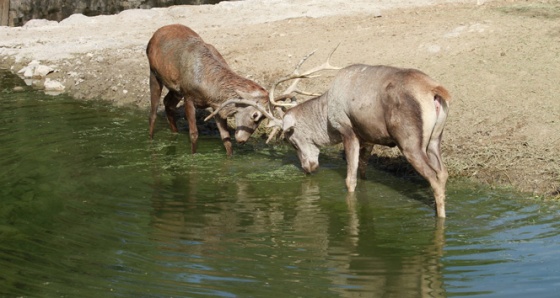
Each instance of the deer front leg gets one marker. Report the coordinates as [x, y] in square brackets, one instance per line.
[190, 115]
[224, 134]
[352, 149]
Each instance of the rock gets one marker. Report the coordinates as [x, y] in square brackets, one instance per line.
[42, 71]
[52, 85]
[35, 70]
[27, 72]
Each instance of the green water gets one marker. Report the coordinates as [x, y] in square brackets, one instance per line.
[89, 207]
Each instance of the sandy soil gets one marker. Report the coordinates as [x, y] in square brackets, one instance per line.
[500, 60]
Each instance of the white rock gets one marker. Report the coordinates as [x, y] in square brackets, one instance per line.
[23, 69]
[52, 85]
[42, 71]
[28, 72]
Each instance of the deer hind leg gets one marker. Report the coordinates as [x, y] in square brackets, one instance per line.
[365, 154]
[224, 134]
[155, 94]
[436, 176]
[170, 101]
[436, 162]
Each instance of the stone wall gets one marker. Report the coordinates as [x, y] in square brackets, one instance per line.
[17, 12]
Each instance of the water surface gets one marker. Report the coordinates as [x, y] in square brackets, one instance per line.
[89, 207]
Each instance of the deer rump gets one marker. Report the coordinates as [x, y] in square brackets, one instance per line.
[388, 106]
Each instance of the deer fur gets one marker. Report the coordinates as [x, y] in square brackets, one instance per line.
[194, 70]
[369, 105]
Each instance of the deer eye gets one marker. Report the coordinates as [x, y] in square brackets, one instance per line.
[256, 116]
[295, 146]
[289, 131]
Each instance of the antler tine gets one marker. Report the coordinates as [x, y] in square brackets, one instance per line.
[216, 111]
[325, 66]
[272, 134]
[275, 121]
[296, 76]
[296, 70]
[306, 93]
[276, 128]
[329, 59]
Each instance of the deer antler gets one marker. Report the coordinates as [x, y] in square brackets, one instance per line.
[273, 121]
[297, 76]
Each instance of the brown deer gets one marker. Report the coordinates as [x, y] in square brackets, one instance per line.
[367, 105]
[194, 70]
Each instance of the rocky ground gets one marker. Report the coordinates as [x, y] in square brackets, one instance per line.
[499, 59]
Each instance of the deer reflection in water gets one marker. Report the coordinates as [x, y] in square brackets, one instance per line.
[287, 236]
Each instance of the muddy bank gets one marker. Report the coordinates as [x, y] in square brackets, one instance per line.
[498, 59]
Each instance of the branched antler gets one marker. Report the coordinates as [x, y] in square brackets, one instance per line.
[274, 122]
[297, 76]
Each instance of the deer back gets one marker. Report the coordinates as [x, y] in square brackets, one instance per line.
[383, 104]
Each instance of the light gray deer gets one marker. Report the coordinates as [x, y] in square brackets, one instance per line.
[367, 105]
[188, 67]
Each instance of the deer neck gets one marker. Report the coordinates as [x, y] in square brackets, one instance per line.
[313, 118]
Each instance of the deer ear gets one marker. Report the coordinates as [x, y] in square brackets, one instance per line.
[289, 130]
[288, 124]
